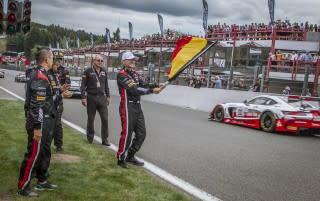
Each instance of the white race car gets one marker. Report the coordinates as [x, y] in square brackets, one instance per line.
[272, 113]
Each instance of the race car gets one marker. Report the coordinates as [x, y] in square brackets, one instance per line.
[75, 87]
[292, 114]
[21, 77]
[1, 74]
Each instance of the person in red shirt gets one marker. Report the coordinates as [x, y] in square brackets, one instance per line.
[26, 63]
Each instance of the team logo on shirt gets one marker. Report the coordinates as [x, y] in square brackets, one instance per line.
[41, 93]
[40, 98]
[131, 83]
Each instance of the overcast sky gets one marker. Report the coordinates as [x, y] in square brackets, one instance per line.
[183, 15]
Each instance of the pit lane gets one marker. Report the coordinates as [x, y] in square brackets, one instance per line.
[230, 162]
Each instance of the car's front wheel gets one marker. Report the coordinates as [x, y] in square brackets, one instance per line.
[268, 122]
[218, 113]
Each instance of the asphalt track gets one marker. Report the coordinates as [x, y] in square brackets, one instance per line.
[229, 162]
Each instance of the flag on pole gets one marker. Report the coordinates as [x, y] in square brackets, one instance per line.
[91, 39]
[78, 42]
[107, 38]
[271, 4]
[160, 19]
[205, 15]
[187, 50]
[67, 44]
[130, 31]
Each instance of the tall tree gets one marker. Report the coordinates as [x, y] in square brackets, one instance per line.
[31, 39]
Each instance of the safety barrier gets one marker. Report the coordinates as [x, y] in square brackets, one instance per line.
[202, 99]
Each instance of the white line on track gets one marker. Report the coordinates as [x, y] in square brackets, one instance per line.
[189, 188]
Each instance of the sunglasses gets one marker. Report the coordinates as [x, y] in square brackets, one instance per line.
[98, 60]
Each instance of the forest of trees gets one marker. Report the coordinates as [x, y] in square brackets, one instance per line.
[42, 35]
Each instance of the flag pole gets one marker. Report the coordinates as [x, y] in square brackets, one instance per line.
[160, 59]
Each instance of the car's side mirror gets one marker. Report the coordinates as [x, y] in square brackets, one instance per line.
[245, 102]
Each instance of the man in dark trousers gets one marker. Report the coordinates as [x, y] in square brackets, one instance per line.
[131, 87]
[40, 112]
[63, 78]
[95, 95]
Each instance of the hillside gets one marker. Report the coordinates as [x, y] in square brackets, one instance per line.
[43, 35]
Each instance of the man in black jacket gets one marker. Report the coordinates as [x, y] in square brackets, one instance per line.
[131, 87]
[95, 95]
[40, 112]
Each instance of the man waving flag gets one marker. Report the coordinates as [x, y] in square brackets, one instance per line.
[187, 50]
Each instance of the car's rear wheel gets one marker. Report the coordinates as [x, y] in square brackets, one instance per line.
[219, 114]
[268, 122]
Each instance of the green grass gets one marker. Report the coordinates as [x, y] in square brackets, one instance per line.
[96, 177]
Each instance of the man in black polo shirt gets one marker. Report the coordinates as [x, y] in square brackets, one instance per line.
[95, 95]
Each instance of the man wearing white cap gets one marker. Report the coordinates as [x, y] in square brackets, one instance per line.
[131, 87]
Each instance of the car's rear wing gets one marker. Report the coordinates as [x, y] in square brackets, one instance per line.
[302, 98]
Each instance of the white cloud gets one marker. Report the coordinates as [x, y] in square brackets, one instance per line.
[182, 15]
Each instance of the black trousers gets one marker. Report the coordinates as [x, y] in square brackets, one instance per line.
[132, 120]
[37, 157]
[95, 103]
[58, 130]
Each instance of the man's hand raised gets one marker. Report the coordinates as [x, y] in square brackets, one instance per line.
[162, 86]
[156, 90]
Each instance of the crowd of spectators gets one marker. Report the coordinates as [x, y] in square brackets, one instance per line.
[254, 31]
[201, 81]
[290, 58]
[169, 39]
[168, 35]
[260, 30]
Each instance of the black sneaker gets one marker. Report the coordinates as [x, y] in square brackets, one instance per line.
[106, 143]
[59, 149]
[45, 186]
[27, 193]
[123, 164]
[134, 161]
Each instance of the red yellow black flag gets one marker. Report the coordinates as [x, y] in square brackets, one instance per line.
[187, 50]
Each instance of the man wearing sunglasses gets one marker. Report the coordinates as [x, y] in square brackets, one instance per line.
[95, 96]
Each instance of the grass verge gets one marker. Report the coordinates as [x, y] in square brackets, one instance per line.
[95, 177]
